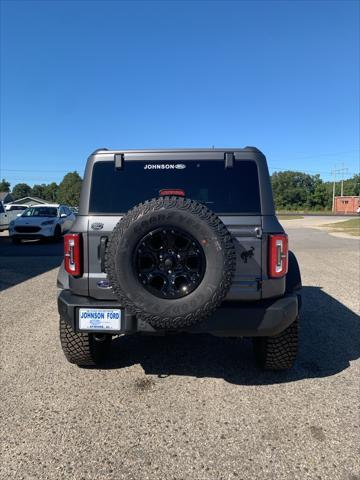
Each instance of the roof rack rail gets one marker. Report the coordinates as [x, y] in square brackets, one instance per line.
[99, 150]
[229, 159]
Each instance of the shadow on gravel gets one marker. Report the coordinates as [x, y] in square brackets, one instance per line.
[329, 340]
[26, 260]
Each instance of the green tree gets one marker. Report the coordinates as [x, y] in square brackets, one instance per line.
[299, 191]
[50, 192]
[320, 198]
[4, 186]
[21, 190]
[290, 189]
[69, 189]
[352, 185]
[38, 190]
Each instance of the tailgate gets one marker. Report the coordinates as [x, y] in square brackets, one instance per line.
[247, 235]
[99, 230]
[246, 231]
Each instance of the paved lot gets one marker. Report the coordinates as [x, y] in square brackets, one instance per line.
[182, 408]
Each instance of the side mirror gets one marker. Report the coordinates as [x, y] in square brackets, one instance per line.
[63, 215]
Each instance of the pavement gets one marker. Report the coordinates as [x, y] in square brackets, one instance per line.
[316, 221]
[183, 407]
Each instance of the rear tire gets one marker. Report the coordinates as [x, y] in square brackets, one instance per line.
[83, 349]
[278, 352]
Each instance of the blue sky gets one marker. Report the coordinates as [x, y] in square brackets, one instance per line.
[77, 75]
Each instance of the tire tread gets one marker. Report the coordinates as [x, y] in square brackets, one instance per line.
[80, 348]
[223, 235]
[278, 352]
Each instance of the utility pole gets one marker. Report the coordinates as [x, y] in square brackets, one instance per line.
[341, 172]
[333, 172]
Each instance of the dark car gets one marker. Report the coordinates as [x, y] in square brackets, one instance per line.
[170, 241]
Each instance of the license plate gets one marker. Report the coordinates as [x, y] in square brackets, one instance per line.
[99, 319]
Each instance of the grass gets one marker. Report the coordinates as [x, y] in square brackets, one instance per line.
[351, 227]
[289, 217]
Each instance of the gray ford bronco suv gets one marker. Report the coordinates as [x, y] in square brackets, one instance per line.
[170, 241]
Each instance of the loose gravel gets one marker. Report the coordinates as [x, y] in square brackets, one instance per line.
[183, 407]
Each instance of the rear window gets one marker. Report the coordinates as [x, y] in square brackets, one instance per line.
[233, 190]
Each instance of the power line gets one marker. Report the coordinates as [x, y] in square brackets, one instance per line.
[32, 170]
[292, 157]
[330, 154]
[341, 172]
[310, 171]
[270, 168]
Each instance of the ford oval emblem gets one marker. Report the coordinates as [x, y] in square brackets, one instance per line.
[97, 226]
[103, 284]
[180, 166]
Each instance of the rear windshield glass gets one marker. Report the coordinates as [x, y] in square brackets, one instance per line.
[233, 190]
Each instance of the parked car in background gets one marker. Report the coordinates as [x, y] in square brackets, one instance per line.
[10, 207]
[74, 210]
[49, 221]
[8, 213]
[3, 218]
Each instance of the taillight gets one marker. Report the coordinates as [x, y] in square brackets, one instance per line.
[72, 254]
[278, 255]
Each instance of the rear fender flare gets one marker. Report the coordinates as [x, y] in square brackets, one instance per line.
[293, 277]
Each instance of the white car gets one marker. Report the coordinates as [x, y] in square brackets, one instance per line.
[41, 222]
[7, 214]
[3, 218]
[10, 207]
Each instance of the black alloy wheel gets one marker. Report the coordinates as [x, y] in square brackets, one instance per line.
[169, 262]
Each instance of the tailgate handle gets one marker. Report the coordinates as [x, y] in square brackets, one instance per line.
[102, 249]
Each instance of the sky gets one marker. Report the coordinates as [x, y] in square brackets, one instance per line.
[78, 75]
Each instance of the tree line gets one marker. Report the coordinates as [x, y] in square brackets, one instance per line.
[292, 190]
[67, 191]
[301, 191]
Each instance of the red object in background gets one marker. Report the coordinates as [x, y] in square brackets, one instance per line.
[172, 191]
[346, 204]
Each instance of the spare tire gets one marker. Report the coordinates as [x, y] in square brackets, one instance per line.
[170, 261]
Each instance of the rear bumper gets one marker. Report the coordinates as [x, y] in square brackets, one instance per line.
[232, 319]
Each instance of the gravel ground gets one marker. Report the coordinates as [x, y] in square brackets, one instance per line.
[183, 407]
